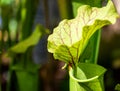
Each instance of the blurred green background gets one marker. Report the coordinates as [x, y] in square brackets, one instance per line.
[18, 20]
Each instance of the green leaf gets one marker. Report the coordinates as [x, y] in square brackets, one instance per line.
[22, 46]
[90, 53]
[27, 81]
[96, 85]
[75, 86]
[71, 36]
[88, 76]
[86, 72]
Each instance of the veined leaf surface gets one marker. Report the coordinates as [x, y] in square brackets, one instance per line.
[71, 36]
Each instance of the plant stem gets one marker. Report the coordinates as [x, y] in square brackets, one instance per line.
[0, 71]
[65, 9]
[30, 8]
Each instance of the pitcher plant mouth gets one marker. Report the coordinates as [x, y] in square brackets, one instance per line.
[71, 74]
